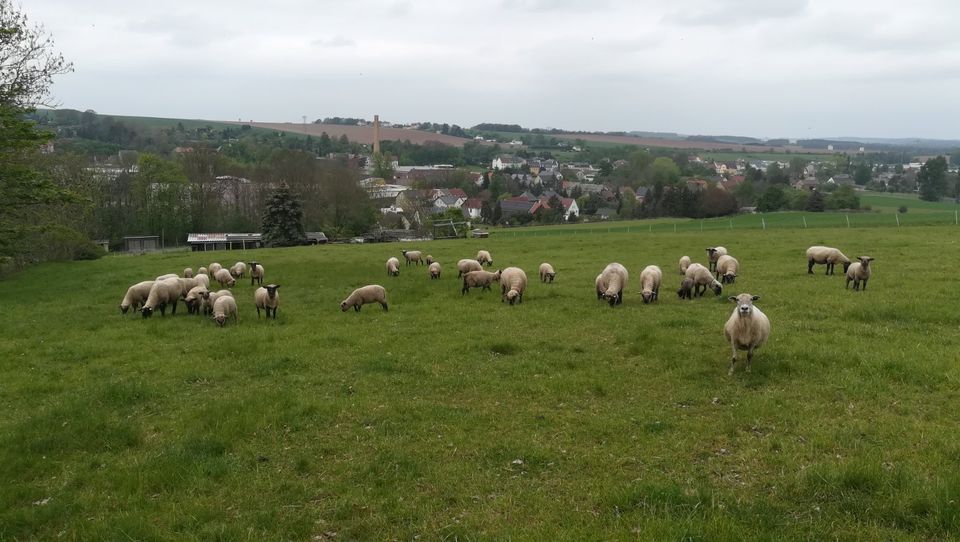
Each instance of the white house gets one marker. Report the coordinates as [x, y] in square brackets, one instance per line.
[505, 161]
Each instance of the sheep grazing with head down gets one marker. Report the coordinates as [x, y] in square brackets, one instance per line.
[393, 267]
[223, 308]
[746, 329]
[136, 296]
[727, 268]
[513, 282]
[650, 279]
[412, 256]
[479, 279]
[429, 259]
[686, 289]
[213, 268]
[465, 266]
[188, 273]
[202, 270]
[238, 270]
[194, 298]
[611, 283]
[714, 253]
[162, 293]
[267, 298]
[224, 277]
[859, 272]
[702, 279]
[826, 255]
[373, 293]
[547, 274]
[484, 258]
[434, 270]
[684, 264]
[256, 273]
[208, 299]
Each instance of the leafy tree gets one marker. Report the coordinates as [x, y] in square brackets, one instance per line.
[606, 168]
[753, 175]
[283, 219]
[816, 203]
[776, 175]
[863, 174]
[664, 170]
[933, 179]
[798, 167]
[772, 199]
[497, 214]
[844, 197]
[382, 167]
[628, 203]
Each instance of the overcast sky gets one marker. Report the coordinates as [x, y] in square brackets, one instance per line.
[767, 68]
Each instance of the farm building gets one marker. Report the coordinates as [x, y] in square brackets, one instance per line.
[141, 243]
[223, 241]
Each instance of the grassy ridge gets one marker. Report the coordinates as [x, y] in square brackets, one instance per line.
[454, 416]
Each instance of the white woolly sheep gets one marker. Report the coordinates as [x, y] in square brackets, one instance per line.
[267, 297]
[195, 298]
[167, 276]
[412, 256]
[598, 284]
[238, 270]
[188, 284]
[202, 279]
[484, 257]
[513, 282]
[188, 273]
[686, 289]
[546, 272]
[136, 296]
[650, 279]
[393, 267]
[684, 264]
[256, 273]
[465, 266]
[225, 307]
[859, 272]
[826, 255]
[479, 279]
[224, 277]
[202, 270]
[727, 268]
[213, 268]
[747, 329]
[714, 254]
[429, 259]
[702, 278]
[612, 282]
[434, 270]
[210, 298]
[373, 293]
[162, 293]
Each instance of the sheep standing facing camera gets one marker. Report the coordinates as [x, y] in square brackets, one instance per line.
[746, 329]
[267, 298]
[859, 272]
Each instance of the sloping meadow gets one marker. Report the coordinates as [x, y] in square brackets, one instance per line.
[462, 417]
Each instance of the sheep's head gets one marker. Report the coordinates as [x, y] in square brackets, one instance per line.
[496, 276]
[147, 312]
[865, 261]
[344, 307]
[717, 288]
[729, 278]
[124, 309]
[512, 296]
[711, 252]
[220, 319]
[744, 303]
[647, 296]
[231, 282]
[272, 290]
[550, 276]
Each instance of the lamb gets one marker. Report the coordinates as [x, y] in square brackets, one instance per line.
[393, 267]
[188, 273]
[465, 266]
[225, 307]
[684, 264]
[715, 253]
[195, 297]
[826, 255]
[650, 279]
[727, 267]
[598, 283]
[859, 271]
[513, 282]
[434, 270]
[547, 272]
[136, 296]
[702, 278]
[162, 292]
[686, 289]
[373, 293]
[479, 279]
[223, 276]
[202, 270]
[266, 297]
[747, 329]
[412, 256]
[612, 281]
[167, 276]
[429, 259]
[256, 273]
[484, 258]
[210, 298]
[214, 267]
[238, 270]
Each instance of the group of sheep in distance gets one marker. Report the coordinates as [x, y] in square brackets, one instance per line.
[194, 290]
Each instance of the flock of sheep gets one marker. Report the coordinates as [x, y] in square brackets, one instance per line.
[194, 290]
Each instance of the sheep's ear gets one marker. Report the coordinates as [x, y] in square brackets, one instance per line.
[732, 298]
[756, 297]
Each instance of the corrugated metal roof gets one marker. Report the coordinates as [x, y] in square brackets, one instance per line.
[221, 237]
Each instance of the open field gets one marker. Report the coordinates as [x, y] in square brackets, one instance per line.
[461, 418]
[892, 201]
[360, 134]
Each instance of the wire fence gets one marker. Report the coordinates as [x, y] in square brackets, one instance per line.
[752, 221]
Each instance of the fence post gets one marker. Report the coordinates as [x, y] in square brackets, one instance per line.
[804, 221]
[848, 220]
[731, 223]
[651, 227]
[701, 225]
[956, 218]
[763, 222]
[897, 215]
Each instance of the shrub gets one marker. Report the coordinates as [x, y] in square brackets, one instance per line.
[902, 209]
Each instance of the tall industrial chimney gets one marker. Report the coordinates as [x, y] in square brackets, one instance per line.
[376, 135]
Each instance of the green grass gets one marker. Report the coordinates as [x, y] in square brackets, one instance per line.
[891, 202]
[461, 418]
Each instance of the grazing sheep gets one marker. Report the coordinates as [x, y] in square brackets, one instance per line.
[546, 272]
[202, 278]
[684, 264]
[612, 281]
[703, 278]
[650, 279]
[484, 257]
[167, 276]
[266, 297]
[188, 284]
[373, 293]
[747, 329]
[223, 276]
[715, 253]
[256, 273]
[162, 293]
[238, 270]
[686, 289]
[429, 259]
[479, 279]
[202, 270]
[412, 256]
[195, 298]
[188, 273]
[434, 270]
[210, 298]
[598, 284]
[513, 282]
[859, 272]
[727, 268]
[213, 268]
[225, 307]
[136, 296]
[465, 266]
[826, 255]
[393, 267]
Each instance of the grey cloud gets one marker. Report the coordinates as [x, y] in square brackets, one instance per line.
[334, 42]
[736, 12]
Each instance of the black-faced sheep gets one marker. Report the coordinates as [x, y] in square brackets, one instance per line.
[466, 266]
[434, 270]
[256, 273]
[746, 329]
[826, 255]
[684, 264]
[484, 257]
[727, 268]
[513, 282]
[267, 298]
[702, 278]
[650, 279]
[225, 307]
[238, 270]
[686, 289]
[479, 279]
[859, 272]
[188, 273]
[373, 293]
[612, 282]
[136, 296]
[412, 256]
[714, 254]
[224, 277]
[194, 298]
[393, 267]
[547, 274]
[162, 293]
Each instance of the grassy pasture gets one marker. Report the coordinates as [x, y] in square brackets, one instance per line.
[461, 418]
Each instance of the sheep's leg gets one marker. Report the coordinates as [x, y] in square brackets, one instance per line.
[865, 284]
[848, 284]
[356, 308]
[384, 305]
[810, 267]
[258, 313]
[749, 357]
[733, 357]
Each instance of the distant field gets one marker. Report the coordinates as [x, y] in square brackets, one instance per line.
[781, 156]
[360, 134]
[892, 201]
[462, 418]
